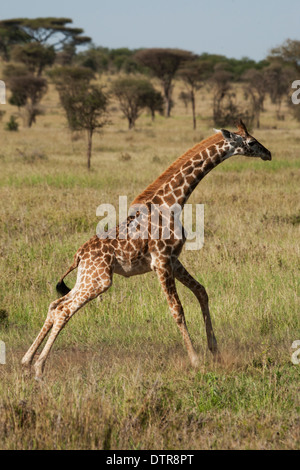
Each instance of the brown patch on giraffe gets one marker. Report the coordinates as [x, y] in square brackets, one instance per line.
[189, 179]
[217, 159]
[177, 192]
[204, 154]
[107, 259]
[208, 166]
[170, 199]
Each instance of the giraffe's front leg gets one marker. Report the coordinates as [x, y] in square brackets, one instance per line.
[165, 276]
[199, 291]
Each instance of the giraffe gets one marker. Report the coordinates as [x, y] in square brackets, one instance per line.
[100, 258]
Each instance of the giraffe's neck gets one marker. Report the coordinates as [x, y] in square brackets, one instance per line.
[178, 182]
[190, 175]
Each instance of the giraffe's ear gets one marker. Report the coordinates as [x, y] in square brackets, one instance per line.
[226, 134]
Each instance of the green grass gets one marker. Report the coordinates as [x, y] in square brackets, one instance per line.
[118, 376]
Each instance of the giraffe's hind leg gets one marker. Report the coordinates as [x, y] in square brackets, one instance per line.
[91, 282]
[62, 315]
[199, 291]
[28, 357]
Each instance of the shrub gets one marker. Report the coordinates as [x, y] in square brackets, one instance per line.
[12, 124]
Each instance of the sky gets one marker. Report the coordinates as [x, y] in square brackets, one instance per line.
[234, 28]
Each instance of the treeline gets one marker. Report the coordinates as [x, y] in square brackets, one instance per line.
[38, 50]
[105, 60]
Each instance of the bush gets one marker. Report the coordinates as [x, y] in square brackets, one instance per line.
[12, 124]
[135, 94]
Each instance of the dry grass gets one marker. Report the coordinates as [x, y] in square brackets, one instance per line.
[118, 376]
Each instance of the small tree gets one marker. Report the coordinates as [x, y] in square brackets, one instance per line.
[34, 56]
[134, 95]
[95, 58]
[288, 53]
[153, 100]
[193, 74]
[86, 111]
[256, 80]
[223, 103]
[185, 97]
[27, 92]
[278, 81]
[71, 80]
[226, 109]
[255, 88]
[164, 63]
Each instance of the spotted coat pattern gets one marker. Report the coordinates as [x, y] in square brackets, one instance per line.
[98, 259]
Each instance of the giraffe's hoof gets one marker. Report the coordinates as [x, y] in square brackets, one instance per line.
[217, 357]
[38, 369]
[213, 345]
[26, 372]
[38, 378]
[195, 362]
[25, 363]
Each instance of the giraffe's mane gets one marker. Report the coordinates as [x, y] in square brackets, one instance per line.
[169, 172]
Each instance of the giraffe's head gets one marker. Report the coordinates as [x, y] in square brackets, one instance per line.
[242, 143]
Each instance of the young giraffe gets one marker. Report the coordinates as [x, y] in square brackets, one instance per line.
[98, 259]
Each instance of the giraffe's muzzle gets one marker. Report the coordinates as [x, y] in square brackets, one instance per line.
[267, 155]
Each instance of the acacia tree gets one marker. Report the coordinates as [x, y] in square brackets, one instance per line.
[153, 100]
[164, 63]
[134, 95]
[256, 88]
[85, 105]
[86, 111]
[185, 97]
[9, 37]
[35, 56]
[193, 73]
[278, 81]
[222, 100]
[71, 80]
[256, 80]
[48, 30]
[27, 92]
[39, 39]
[287, 53]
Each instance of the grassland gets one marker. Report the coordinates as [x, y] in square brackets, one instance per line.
[118, 376]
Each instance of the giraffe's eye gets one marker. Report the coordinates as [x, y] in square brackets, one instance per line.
[252, 142]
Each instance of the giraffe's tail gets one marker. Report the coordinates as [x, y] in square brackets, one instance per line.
[61, 287]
